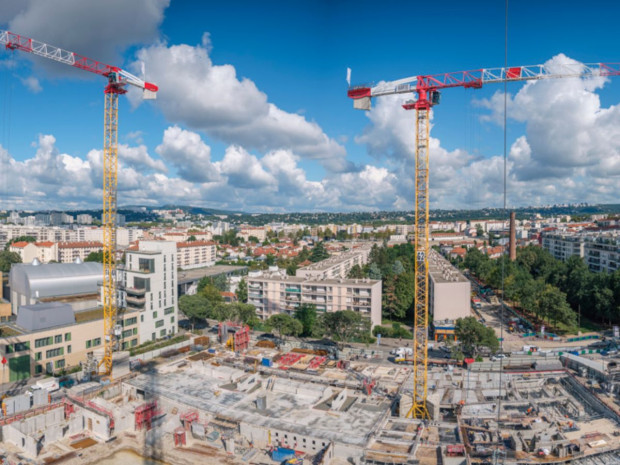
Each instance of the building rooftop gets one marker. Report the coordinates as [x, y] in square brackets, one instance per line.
[187, 276]
[442, 271]
[44, 316]
[56, 279]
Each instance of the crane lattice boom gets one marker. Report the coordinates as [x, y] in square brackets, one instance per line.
[117, 81]
[427, 89]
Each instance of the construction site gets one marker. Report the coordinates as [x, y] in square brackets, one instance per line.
[261, 404]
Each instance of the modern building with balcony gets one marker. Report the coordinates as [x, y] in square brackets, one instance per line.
[273, 293]
[149, 285]
[563, 245]
[602, 253]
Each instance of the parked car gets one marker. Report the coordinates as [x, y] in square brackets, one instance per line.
[497, 357]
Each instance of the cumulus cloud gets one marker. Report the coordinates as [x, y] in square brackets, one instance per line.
[212, 98]
[188, 153]
[100, 30]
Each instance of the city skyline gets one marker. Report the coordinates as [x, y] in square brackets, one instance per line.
[253, 117]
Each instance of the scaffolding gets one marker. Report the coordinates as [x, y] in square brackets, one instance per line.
[144, 415]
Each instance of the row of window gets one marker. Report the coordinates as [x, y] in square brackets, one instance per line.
[93, 342]
[130, 332]
[17, 347]
[48, 341]
[128, 344]
[130, 321]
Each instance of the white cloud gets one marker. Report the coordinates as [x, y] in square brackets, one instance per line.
[188, 153]
[213, 99]
[99, 30]
[244, 170]
[32, 84]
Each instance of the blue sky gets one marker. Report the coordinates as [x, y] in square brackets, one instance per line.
[253, 114]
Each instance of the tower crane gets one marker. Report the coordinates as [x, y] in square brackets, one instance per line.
[117, 81]
[427, 89]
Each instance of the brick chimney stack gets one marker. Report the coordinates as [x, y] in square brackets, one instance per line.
[513, 237]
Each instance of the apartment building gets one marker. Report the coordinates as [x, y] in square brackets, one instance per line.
[258, 233]
[337, 266]
[149, 283]
[563, 245]
[274, 292]
[69, 252]
[602, 253]
[196, 254]
[449, 296]
[40, 233]
[45, 252]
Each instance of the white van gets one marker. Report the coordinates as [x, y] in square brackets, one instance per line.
[402, 351]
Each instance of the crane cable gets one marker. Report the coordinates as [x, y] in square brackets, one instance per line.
[5, 129]
[505, 216]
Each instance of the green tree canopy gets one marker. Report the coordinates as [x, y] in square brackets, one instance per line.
[306, 314]
[195, 307]
[242, 291]
[356, 272]
[7, 259]
[344, 325]
[212, 294]
[95, 257]
[473, 336]
[318, 253]
[285, 325]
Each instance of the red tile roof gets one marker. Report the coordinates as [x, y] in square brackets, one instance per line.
[44, 244]
[20, 244]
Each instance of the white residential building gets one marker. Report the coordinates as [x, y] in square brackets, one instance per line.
[273, 293]
[149, 283]
[197, 254]
[563, 245]
[69, 252]
[602, 253]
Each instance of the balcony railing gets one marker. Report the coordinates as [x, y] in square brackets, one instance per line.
[135, 291]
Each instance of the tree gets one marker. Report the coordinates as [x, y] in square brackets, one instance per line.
[285, 325]
[404, 291]
[191, 238]
[270, 260]
[242, 291]
[374, 272]
[389, 303]
[95, 257]
[307, 316]
[356, 272]
[344, 325]
[479, 231]
[318, 253]
[551, 304]
[237, 311]
[397, 267]
[219, 281]
[212, 294]
[253, 239]
[195, 307]
[7, 259]
[474, 336]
